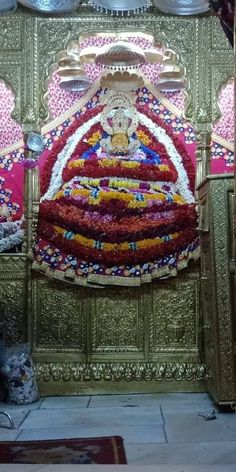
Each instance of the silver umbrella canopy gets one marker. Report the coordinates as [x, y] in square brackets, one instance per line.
[51, 6]
[182, 7]
[121, 6]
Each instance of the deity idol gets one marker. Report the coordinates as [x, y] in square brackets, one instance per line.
[118, 205]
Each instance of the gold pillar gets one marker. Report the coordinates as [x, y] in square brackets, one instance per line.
[31, 209]
[31, 194]
[203, 152]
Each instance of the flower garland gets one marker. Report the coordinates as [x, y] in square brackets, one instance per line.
[11, 235]
[114, 167]
[185, 157]
[79, 144]
[87, 250]
[59, 146]
[119, 207]
[136, 200]
[114, 210]
[109, 228]
[160, 133]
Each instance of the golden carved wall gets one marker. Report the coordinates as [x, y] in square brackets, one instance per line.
[216, 195]
[113, 339]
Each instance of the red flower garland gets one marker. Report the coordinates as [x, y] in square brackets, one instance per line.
[60, 144]
[145, 172]
[119, 208]
[46, 230]
[116, 230]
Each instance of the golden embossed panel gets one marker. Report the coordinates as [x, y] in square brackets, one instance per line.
[58, 318]
[117, 320]
[217, 288]
[10, 39]
[12, 265]
[174, 320]
[12, 309]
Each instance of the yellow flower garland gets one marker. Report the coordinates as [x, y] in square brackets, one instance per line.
[94, 138]
[131, 199]
[109, 247]
[143, 138]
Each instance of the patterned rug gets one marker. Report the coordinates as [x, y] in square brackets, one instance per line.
[108, 450]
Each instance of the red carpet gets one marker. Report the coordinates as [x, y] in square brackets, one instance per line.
[108, 450]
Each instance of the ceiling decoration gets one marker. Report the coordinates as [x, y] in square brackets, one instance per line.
[121, 6]
[7, 5]
[182, 7]
[120, 65]
[51, 6]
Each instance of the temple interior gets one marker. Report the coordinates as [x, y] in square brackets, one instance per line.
[117, 229]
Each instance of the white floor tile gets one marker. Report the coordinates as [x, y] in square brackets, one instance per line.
[11, 407]
[188, 427]
[8, 434]
[170, 403]
[130, 434]
[65, 402]
[17, 416]
[185, 453]
[92, 417]
[185, 402]
[104, 401]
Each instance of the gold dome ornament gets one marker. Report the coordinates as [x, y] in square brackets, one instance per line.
[70, 69]
[73, 50]
[88, 55]
[73, 79]
[171, 78]
[64, 60]
[153, 56]
[120, 54]
[172, 85]
[75, 83]
[121, 81]
[121, 6]
[171, 71]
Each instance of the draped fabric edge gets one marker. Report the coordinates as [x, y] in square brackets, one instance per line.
[96, 280]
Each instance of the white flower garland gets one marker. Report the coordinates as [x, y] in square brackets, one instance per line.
[182, 182]
[56, 177]
[11, 235]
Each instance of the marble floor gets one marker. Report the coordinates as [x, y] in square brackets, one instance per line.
[165, 430]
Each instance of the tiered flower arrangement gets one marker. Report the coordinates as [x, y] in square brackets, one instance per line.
[117, 217]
